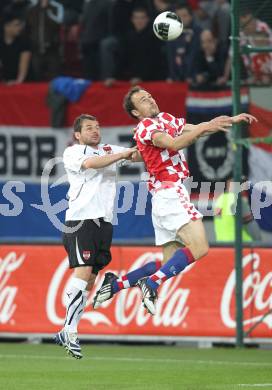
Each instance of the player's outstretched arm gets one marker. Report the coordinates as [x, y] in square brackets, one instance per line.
[244, 117]
[248, 118]
[104, 161]
[220, 123]
[222, 120]
[165, 141]
[190, 135]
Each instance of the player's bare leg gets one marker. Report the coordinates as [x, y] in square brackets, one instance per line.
[193, 236]
[76, 298]
[113, 284]
[176, 259]
[169, 249]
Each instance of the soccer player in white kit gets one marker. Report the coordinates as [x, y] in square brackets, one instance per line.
[91, 171]
[178, 225]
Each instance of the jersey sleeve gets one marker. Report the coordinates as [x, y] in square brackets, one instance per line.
[177, 123]
[145, 131]
[73, 159]
[118, 149]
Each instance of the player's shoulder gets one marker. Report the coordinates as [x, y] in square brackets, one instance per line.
[109, 148]
[146, 124]
[74, 149]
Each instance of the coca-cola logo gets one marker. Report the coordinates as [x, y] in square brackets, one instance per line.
[8, 292]
[257, 292]
[172, 307]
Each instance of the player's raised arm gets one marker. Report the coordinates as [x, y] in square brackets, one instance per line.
[244, 117]
[104, 161]
[165, 141]
[220, 123]
[190, 135]
[226, 120]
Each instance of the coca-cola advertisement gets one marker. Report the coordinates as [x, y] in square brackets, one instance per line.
[198, 302]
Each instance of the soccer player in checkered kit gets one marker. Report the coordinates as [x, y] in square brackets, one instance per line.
[91, 171]
[178, 225]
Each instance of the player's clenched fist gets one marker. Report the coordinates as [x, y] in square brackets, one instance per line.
[127, 154]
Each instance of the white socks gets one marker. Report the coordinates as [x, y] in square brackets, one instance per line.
[76, 298]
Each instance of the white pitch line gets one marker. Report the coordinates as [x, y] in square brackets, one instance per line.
[255, 384]
[128, 359]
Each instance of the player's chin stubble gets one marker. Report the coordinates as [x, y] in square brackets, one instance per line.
[154, 114]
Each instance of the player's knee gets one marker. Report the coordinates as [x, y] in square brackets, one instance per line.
[91, 282]
[204, 249]
[92, 278]
[83, 273]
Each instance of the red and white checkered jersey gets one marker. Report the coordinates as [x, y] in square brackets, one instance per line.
[163, 165]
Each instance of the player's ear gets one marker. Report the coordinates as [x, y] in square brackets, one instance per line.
[135, 113]
[77, 135]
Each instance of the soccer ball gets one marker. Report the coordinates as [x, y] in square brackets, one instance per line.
[167, 26]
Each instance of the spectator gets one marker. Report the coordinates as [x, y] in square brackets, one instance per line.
[155, 7]
[224, 222]
[143, 59]
[44, 21]
[221, 22]
[210, 63]
[120, 25]
[182, 51]
[214, 15]
[254, 32]
[261, 63]
[95, 27]
[72, 11]
[15, 52]
[110, 47]
[204, 14]
[250, 25]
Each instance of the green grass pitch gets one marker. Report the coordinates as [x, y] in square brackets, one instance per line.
[121, 367]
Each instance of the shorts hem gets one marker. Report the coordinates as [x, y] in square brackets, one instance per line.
[200, 216]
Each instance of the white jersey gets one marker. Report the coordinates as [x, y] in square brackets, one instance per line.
[92, 191]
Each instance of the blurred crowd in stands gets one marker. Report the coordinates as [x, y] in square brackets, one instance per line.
[112, 40]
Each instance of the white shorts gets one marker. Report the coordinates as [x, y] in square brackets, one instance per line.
[171, 209]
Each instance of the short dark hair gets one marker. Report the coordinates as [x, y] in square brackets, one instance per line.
[184, 6]
[244, 11]
[79, 121]
[127, 104]
[12, 12]
[140, 9]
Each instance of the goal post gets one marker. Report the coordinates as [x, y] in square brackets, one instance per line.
[243, 46]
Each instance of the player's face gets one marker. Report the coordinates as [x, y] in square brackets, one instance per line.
[145, 105]
[90, 133]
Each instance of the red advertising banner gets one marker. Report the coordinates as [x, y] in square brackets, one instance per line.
[27, 103]
[198, 302]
